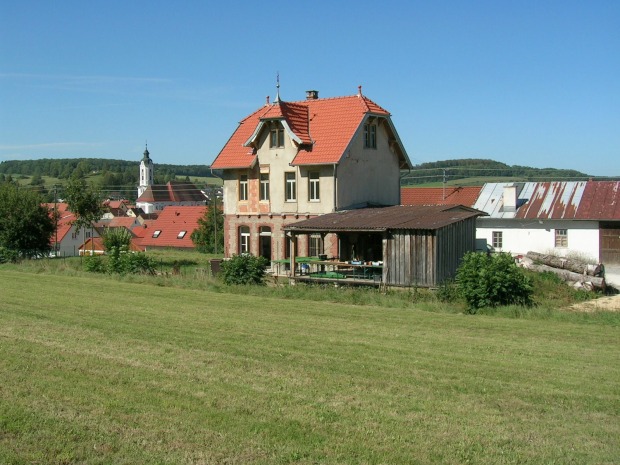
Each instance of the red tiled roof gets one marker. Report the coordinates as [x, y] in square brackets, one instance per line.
[329, 124]
[171, 221]
[123, 221]
[439, 196]
[96, 243]
[64, 222]
[600, 201]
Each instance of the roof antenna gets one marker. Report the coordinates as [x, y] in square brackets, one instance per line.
[277, 99]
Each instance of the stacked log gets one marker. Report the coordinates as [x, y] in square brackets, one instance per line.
[579, 275]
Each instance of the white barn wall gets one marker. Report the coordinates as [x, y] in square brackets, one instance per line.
[519, 238]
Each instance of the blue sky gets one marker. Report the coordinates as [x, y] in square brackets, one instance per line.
[525, 83]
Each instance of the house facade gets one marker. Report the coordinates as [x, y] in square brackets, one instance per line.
[291, 161]
[562, 218]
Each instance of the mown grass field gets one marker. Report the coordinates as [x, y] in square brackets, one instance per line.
[98, 370]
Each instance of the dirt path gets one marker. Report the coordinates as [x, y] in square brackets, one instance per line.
[607, 304]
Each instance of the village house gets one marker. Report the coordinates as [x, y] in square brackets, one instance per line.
[561, 218]
[291, 161]
[67, 239]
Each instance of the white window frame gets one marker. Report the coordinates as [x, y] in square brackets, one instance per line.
[244, 239]
[181, 234]
[156, 233]
[290, 186]
[243, 188]
[314, 194]
[264, 187]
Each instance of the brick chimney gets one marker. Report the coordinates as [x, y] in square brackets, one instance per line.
[312, 94]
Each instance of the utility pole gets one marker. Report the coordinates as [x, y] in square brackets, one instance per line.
[215, 220]
[444, 184]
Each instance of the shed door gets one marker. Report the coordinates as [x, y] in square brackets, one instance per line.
[610, 243]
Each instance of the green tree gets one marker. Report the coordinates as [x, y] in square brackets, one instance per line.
[83, 201]
[492, 280]
[209, 236]
[116, 237]
[26, 226]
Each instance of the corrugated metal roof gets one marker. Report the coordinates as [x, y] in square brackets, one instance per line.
[424, 217]
[600, 201]
[534, 200]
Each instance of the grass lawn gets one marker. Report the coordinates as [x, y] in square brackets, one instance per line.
[103, 371]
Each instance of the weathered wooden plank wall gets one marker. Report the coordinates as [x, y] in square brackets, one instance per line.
[426, 258]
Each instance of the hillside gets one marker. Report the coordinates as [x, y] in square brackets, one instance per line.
[476, 171]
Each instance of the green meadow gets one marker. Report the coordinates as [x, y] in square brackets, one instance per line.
[101, 370]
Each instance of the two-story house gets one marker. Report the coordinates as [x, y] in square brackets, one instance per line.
[290, 161]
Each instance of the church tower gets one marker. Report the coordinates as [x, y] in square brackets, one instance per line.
[146, 172]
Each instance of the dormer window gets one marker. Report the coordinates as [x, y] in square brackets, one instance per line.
[370, 136]
[276, 139]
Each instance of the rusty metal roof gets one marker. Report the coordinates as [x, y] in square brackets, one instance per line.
[568, 200]
[424, 217]
[600, 201]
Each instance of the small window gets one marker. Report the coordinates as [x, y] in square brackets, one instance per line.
[264, 186]
[313, 187]
[497, 240]
[561, 238]
[157, 233]
[276, 138]
[290, 187]
[370, 136]
[244, 239]
[243, 187]
[181, 235]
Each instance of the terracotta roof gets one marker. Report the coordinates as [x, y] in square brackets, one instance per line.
[174, 191]
[123, 221]
[64, 222]
[600, 201]
[411, 217]
[327, 124]
[439, 196]
[171, 222]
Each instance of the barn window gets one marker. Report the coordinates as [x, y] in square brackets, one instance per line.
[561, 238]
[497, 240]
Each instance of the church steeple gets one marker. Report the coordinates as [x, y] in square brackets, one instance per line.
[146, 172]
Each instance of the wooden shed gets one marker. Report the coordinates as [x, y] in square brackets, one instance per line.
[415, 245]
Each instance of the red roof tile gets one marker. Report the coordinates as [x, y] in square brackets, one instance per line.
[171, 222]
[329, 124]
[439, 196]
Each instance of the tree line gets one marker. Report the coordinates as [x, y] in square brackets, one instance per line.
[462, 169]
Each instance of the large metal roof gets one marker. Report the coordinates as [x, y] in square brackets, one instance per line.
[565, 200]
[422, 217]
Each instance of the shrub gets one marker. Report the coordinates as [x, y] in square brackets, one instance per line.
[244, 269]
[94, 264]
[492, 280]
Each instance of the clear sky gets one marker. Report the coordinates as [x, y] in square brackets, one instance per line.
[534, 83]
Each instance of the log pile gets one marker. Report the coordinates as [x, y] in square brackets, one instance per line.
[576, 274]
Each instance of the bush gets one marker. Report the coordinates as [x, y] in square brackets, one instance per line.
[94, 264]
[120, 260]
[244, 269]
[492, 280]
